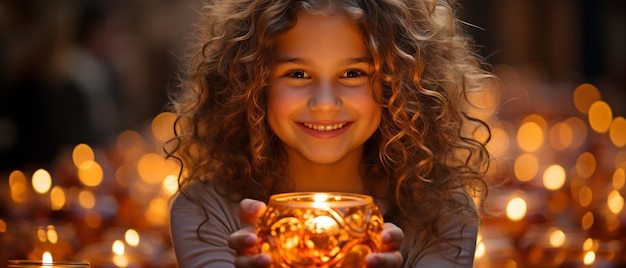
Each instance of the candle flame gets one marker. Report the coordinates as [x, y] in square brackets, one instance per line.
[47, 258]
[320, 200]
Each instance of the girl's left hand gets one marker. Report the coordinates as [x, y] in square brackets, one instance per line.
[389, 256]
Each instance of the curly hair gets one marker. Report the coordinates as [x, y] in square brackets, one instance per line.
[424, 152]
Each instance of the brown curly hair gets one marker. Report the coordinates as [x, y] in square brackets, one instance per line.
[424, 152]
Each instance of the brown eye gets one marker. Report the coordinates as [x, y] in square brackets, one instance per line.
[298, 74]
[352, 73]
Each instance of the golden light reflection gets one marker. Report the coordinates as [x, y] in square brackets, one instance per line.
[131, 237]
[584, 96]
[588, 244]
[617, 132]
[615, 201]
[530, 136]
[526, 167]
[154, 168]
[480, 250]
[600, 116]
[560, 136]
[90, 173]
[57, 198]
[499, 143]
[585, 196]
[163, 126]
[130, 145]
[516, 209]
[52, 234]
[170, 185]
[41, 181]
[587, 220]
[86, 199]
[82, 153]
[589, 258]
[42, 235]
[118, 247]
[556, 237]
[19, 186]
[619, 178]
[3, 226]
[554, 177]
[579, 130]
[586, 165]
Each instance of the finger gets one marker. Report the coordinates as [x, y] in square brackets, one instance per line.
[380, 260]
[243, 241]
[250, 210]
[259, 261]
[392, 237]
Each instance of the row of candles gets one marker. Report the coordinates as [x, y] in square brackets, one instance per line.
[561, 207]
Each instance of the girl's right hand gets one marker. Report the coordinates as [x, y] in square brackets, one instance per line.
[243, 241]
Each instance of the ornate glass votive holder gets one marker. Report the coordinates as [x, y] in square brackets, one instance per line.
[41, 264]
[305, 229]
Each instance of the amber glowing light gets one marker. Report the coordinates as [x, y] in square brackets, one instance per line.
[320, 229]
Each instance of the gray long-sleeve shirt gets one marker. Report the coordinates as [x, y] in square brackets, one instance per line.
[419, 249]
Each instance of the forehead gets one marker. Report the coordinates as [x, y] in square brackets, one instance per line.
[321, 33]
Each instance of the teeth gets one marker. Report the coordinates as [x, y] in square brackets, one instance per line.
[325, 127]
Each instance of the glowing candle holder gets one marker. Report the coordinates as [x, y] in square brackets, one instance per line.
[320, 229]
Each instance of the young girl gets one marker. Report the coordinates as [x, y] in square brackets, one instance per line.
[362, 96]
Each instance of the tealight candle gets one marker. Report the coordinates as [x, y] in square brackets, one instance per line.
[320, 229]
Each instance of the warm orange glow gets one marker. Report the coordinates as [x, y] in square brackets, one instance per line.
[556, 237]
[86, 199]
[600, 116]
[516, 209]
[3, 226]
[170, 185]
[588, 244]
[163, 126]
[584, 96]
[585, 196]
[499, 143]
[46, 258]
[157, 212]
[93, 219]
[530, 136]
[41, 181]
[154, 168]
[619, 178]
[554, 177]
[130, 144]
[19, 186]
[615, 201]
[118, 247]
[131, 237]
[42, 235]
[81, 153]
[617, 132]
[561, 136]
[57, 198]
[480, 250]
[590, 258]
[90, 173]
[52, 235]
[586, 165]
[587, 220]
[579, 130]
[526, 167]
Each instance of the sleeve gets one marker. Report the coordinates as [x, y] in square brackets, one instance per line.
[460, 229]
[200, 232]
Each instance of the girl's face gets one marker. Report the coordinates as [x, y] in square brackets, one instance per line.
[320, 101]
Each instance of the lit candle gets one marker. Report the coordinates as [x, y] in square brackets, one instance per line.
[47, 262]
[320, 229]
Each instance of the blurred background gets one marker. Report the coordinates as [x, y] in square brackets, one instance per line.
[83, 92]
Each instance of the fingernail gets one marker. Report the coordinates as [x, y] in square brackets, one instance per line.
[386, 238]
[264, 260]
[371, 260]
[255, 207]
[251, 240]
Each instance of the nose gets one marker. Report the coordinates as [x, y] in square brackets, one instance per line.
[324, 98]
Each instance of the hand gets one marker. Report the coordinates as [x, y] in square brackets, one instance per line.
[389, 256]
[244, 240]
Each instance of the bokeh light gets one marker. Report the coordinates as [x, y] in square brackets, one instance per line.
[600, 116]
[585, 95]
[554, 177]
[42, 181]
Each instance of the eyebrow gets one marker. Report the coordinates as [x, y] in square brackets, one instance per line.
[348, 61]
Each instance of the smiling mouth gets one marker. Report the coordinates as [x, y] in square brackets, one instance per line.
[330, 127]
